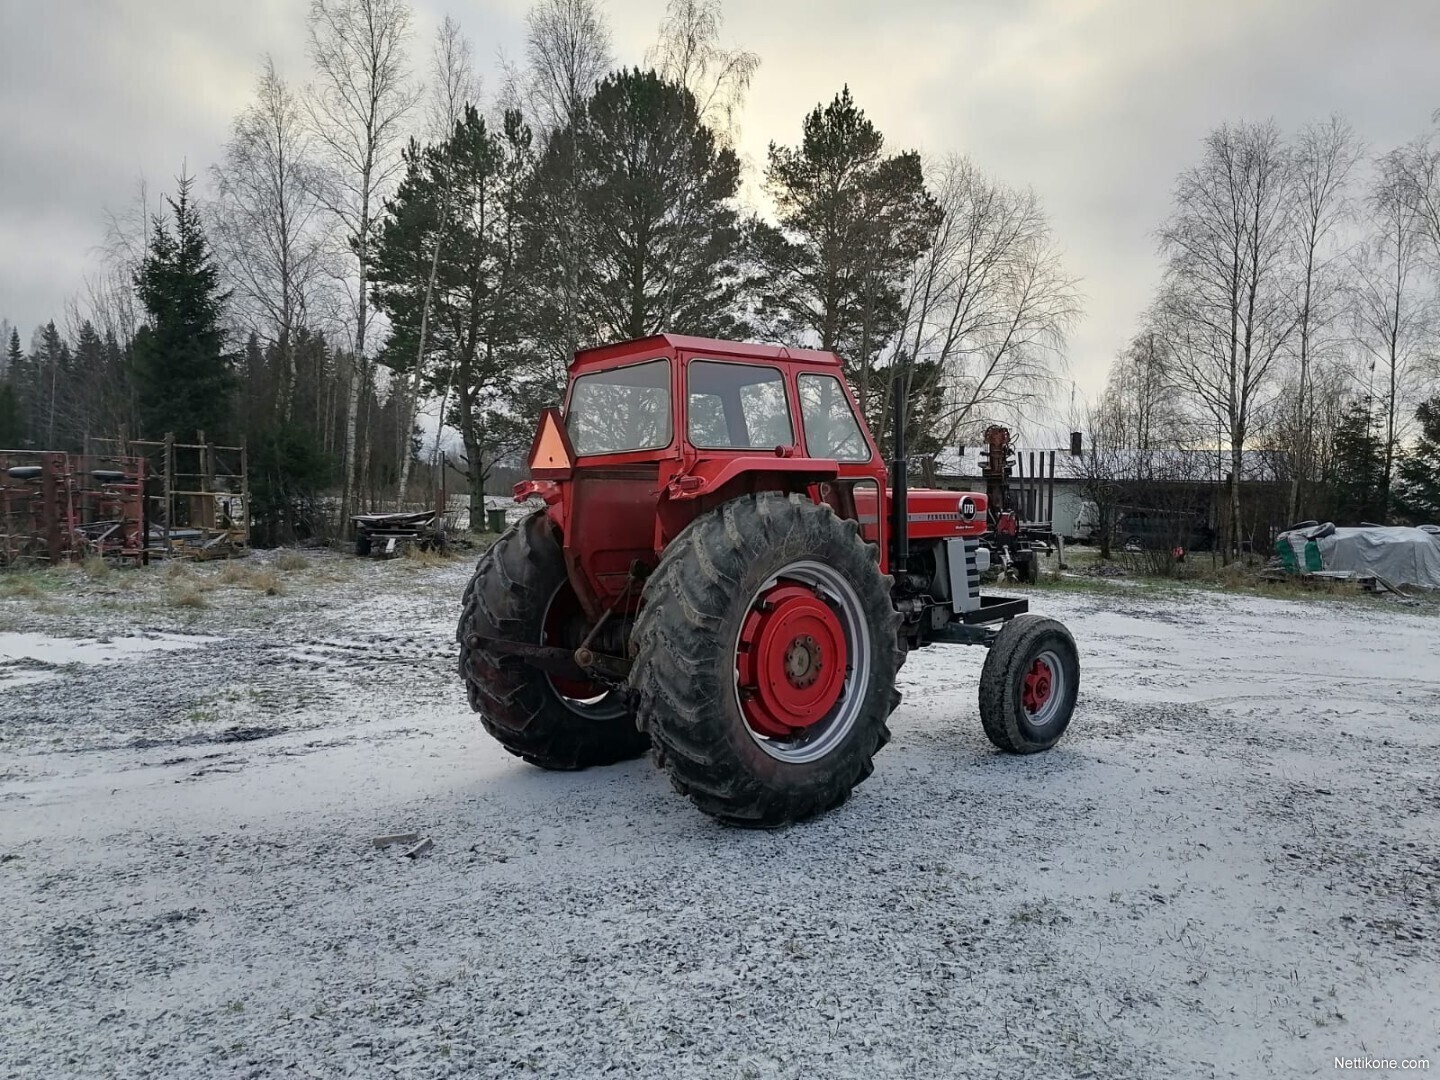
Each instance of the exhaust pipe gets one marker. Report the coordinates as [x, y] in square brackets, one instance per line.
[899, 469]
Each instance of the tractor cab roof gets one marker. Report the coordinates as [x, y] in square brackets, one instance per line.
[606, 356]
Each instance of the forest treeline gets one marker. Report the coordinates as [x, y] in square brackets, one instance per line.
[382, 244]
[371, 251]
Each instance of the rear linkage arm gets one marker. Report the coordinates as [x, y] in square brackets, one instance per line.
[584, 662]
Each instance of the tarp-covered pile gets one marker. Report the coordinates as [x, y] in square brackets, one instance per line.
[1399, 555]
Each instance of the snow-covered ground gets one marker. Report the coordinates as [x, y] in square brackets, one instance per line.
[1229, 867]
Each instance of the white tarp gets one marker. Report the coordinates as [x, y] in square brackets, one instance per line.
[1401, 556]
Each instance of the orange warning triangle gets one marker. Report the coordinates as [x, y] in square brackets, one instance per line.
[551, 449]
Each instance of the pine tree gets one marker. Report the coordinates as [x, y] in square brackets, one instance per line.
[657, 197]
[852, 221]
[1419, 488]
[183, 377]
[470, 186]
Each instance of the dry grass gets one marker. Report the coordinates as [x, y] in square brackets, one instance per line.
[292, 560]
[266, 581]
[234, 573]
[19, 586]
[188, 598]
[95, 568]
[429, 558]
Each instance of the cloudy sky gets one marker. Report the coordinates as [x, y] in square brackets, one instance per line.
[1097, 104]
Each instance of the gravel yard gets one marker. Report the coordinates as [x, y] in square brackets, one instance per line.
[1229, 867]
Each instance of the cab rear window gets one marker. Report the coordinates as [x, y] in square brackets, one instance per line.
[626, 408]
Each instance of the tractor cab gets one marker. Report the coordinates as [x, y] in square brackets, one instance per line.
[657, 431]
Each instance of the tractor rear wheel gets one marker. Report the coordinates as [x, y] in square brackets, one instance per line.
[1028, 684]
[520, 592]
[764, 660]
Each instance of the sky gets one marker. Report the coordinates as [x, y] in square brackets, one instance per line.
[1095, 104]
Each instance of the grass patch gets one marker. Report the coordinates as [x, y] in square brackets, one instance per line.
[22, 588]
[95, 568]
[32, 583]
[189, 597]
[429, 557]
[234, 573]
[266, 581]
[179, 570]
[291, 561]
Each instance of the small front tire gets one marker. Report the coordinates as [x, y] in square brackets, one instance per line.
[1029, 684]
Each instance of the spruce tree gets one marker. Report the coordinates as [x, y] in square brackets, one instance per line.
[50, 373]
[11, 432]
[83, 392]
[1419, 488]
[20, 377]
[183, 376]
[1355, 481]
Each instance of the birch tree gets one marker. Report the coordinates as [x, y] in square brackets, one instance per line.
[986, 306]
[688, 52]
[1226, 301]
[1394, 312]
[267, 223]
[356, 107]
[1322, 161]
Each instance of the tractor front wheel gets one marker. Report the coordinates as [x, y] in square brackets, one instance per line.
[764, 660]
[521, 593]
[1028, 685]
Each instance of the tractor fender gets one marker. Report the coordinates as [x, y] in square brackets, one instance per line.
[708, 477]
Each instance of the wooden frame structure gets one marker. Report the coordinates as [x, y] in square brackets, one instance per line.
[197, 498]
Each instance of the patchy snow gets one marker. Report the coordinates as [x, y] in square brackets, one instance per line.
[30, 657]
[1229, 867]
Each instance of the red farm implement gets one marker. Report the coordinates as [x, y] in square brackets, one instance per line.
[56, 506]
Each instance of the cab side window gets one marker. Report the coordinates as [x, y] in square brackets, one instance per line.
[831, 430]
[737, 406]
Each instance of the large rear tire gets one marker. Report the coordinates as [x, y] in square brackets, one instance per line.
[764, 660]
[1028, 685]
[518, 583]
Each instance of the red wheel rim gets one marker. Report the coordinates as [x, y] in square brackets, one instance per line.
[791, 661]
[1037, 686]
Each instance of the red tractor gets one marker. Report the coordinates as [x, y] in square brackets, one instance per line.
[722, 573]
